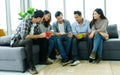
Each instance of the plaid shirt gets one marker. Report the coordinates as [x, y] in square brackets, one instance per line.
[24, 28]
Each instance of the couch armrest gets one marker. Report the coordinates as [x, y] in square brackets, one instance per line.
[5, 40]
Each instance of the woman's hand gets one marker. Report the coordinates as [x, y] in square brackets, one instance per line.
[92, 34]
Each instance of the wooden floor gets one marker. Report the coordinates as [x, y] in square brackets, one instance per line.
[84, 68]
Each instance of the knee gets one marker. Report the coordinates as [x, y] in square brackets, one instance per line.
[74, 39]
[29, 40]
[69, 38]
[45, 40]
[58, 38]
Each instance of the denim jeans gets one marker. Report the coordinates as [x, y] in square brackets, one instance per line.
[98, 44]
[52, 46]
[64, 43]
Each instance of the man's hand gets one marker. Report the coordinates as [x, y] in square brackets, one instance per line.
[70, 35]
[51, 32]
[60, 33]
[85, 35]
[77, 37]
[42, 35]
[29, 36]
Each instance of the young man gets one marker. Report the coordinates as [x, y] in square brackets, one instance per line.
[25, 32]
[62, 29]
[81, 26]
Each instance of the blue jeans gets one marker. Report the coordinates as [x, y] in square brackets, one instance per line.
[98, 44]
[52, 46]
[64, 43]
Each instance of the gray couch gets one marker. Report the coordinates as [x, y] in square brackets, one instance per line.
[14, 58]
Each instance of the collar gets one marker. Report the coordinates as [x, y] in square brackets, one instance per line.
[82, 24]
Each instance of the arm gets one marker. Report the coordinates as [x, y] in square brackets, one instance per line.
[92, 34]
[74, 29]
[88, 29]
[54, 26]
[18, 30]
[42, 35]
[69, 29]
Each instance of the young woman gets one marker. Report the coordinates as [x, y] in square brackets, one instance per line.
[99, 25]
[46, 27]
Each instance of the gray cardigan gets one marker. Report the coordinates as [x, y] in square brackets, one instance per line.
[100, 25]
[67, 27]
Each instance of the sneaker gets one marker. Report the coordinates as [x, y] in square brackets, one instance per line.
[75, 63]
[49, 59]
[58, 57]
[65, 62]
[33, 71]
[92, 55]
[91, 60]
[48, 62]
[98, 60]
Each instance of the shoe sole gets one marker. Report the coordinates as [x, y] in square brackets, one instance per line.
[32, 73]
[91, 57]
[66, 63]
[74, 64]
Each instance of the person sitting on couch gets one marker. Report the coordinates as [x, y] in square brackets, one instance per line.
[25, 32]
[81, 30]
[51, 40]
[99, 25]
[63, 31]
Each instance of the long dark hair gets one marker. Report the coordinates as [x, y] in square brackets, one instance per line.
[47, 23]
[102, 16]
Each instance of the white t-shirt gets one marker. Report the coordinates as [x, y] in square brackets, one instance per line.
[61, 27]
[32, 28]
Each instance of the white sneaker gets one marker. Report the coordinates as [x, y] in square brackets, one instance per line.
[58, 57]
[49, 59]
[75, 63]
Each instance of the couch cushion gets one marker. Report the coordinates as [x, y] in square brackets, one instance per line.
[5, 40]
[112, 44]
[112, 31]
[12, 58]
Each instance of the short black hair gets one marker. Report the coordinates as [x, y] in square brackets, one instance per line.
[77, 12]
[38, 13]
[58, 13]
